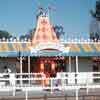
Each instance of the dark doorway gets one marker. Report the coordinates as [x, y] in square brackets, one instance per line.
[47, 67]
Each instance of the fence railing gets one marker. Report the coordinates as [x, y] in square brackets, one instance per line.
[39, 82]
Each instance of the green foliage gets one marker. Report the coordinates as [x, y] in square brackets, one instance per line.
[5, 34]
[58, 29]
[96, 13]
[28, 35]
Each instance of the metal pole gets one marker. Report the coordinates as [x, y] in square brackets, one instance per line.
[26, 95]
[51, 79]
[14, 85]
[28, 64]
[21, 69]
[76, 73]
[87, 90]
[76, 64]
[29, 68]
[69, 63]
[76, 94]
[14, 91]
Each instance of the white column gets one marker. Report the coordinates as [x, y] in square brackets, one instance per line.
[69, 63]
[29, 68]
[76, 94]
[76, 81]
[26, 94]
[76, 64]
[21, 71]
[28, 64]
[21, 64]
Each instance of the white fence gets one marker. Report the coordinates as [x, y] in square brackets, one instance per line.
[39, 79]
[38, 82]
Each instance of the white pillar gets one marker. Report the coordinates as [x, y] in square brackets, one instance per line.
[76, 94]
[21, 71]
[28, 64]
[26, 94]
[76, 81]
[29, 68]
[69, 63]
[76, 64]
[21, 64]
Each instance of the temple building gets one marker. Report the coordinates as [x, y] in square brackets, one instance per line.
[46, 53]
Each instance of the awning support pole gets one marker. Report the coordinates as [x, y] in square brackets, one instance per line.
[69, 63]
[29, 68]
[76, 64]
[21, 70]
[76, 73]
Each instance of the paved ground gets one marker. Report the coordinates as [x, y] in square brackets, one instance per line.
[56, 95]
[52, 98]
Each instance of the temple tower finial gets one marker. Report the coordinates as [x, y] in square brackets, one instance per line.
[42, 12]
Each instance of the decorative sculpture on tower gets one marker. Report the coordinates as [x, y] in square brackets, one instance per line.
[95, 23]
[42, 12]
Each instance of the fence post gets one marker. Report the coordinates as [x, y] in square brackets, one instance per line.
[14, 84]
[83, 97]
[14, 91]
[45, 97]
[43, 82]
[77, 94]
[26, 94]
[87, 90]
[51, 79]
[65, 96]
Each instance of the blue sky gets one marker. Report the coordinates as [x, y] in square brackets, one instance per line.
[19, 16]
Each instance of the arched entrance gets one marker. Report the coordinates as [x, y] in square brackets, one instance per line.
[51, 65]
[47, 65]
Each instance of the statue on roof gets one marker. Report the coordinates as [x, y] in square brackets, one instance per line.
[41, 12]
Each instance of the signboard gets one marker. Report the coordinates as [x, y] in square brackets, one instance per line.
[49, 45]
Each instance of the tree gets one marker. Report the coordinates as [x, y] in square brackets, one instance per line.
[96, 14]
[29, 34]
[5, 34]
[95, 33]
[95, 30]
[58, 29]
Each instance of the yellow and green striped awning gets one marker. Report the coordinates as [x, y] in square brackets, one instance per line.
[79, 49]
